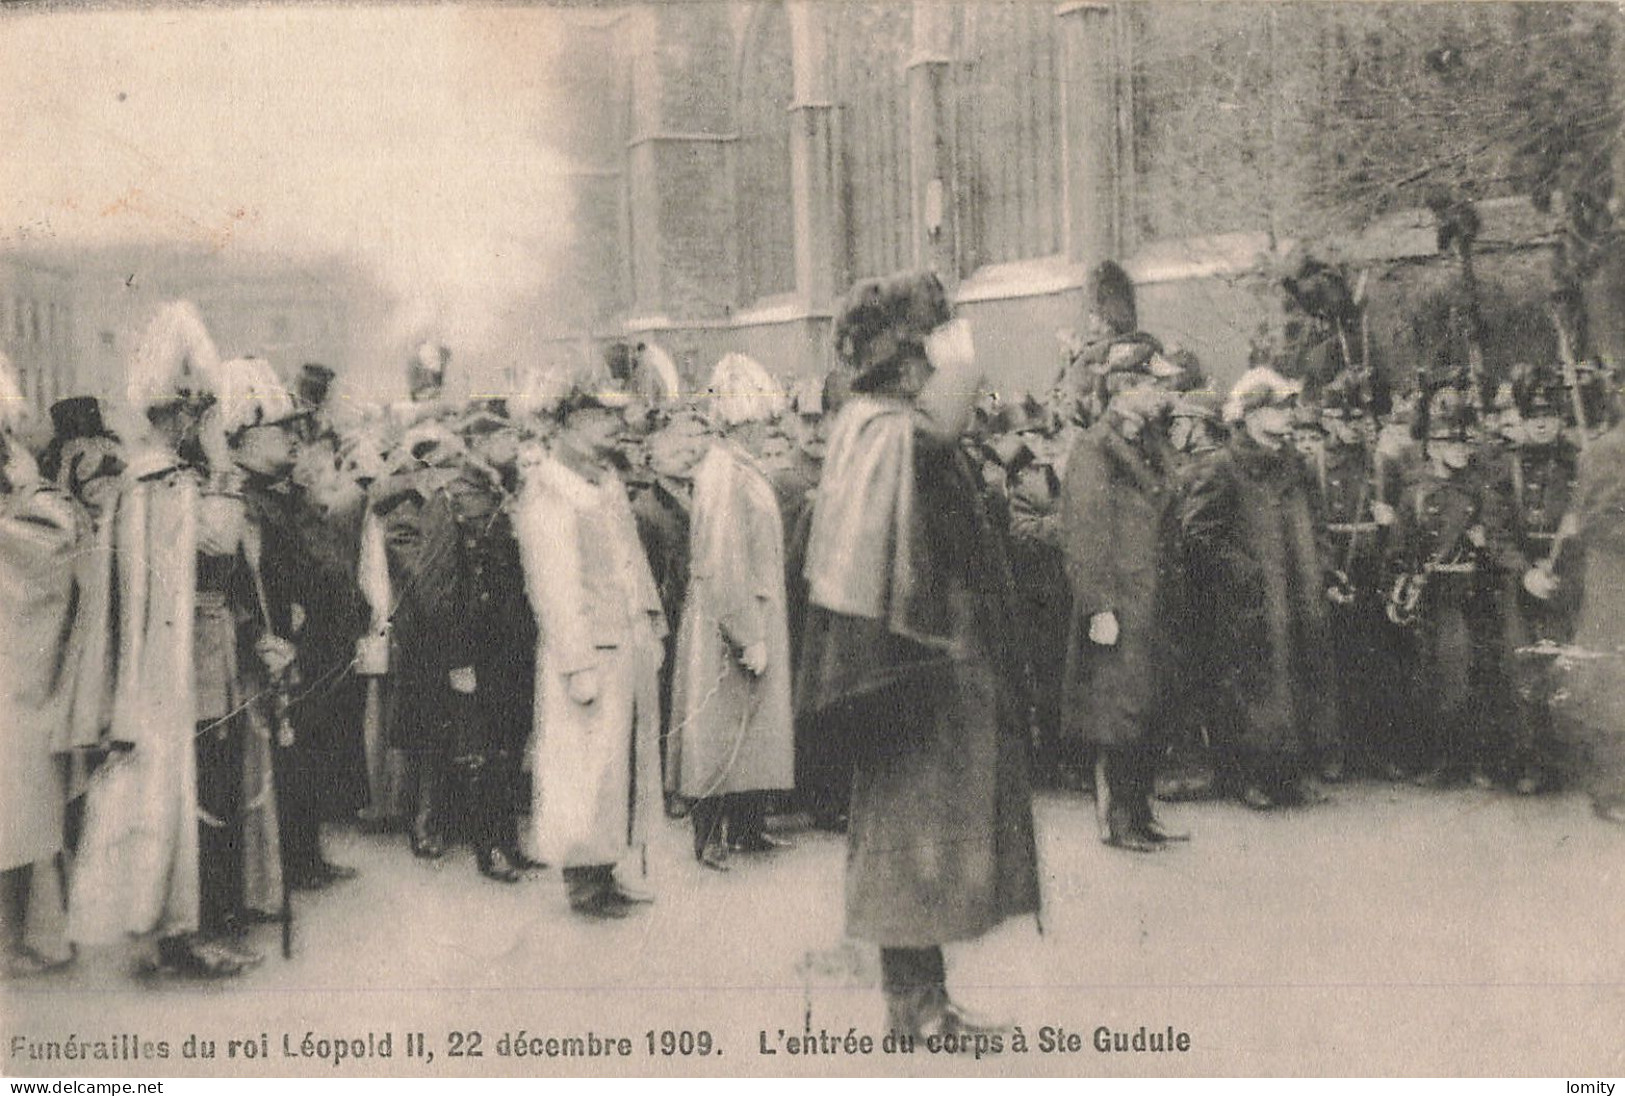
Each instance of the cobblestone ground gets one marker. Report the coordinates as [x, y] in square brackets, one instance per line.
[1395, 930]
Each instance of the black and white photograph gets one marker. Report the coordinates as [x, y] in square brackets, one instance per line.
[812, 538]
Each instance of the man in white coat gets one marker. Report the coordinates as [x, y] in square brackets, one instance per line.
[733, 739]
[594, 755]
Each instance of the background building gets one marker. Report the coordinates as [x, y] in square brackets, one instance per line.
[765, 155]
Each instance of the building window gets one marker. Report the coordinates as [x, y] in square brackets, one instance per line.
[766, 213]
[33, 322]
[873, 40]
[19, 320]
[1008, 148]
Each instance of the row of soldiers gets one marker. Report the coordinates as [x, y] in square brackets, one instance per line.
[248, 610]
[1444, 594]
[367, 602]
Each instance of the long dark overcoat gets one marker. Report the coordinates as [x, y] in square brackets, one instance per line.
[941, 843]
[1114, 512]
[1250, 529]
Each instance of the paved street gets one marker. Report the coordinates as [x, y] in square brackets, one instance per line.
[1395, 930]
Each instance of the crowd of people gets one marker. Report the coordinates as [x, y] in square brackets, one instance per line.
[240, 608]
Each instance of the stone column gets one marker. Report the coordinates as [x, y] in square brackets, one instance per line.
[814, 156]
[931, 167]
[1089, 131]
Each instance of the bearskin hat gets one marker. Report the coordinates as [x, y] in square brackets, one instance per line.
[1111, 297]
[1321, 291]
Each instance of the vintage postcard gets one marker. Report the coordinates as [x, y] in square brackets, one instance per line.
[812, 537]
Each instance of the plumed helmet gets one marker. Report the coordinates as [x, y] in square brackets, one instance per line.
[1146, 403]
[249, 394]
[1259, 387]
[659, 365]
[885, 320]
[543, 389]
[1111, 296]
[741, 390]
[175, 359]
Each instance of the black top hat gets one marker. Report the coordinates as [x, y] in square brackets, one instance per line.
[78, 417]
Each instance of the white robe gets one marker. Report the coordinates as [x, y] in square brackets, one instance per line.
[595, 767]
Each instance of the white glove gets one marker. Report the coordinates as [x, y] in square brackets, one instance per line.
[275, 653]
[1103, 629]
[754, 658]
[463, 680]
[949, 348]
[1382, 513]
[1540, 582]
[583, 686]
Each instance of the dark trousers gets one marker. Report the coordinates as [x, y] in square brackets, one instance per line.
[735, 817]
[299, 809]
[1127, 776]
[219, 752]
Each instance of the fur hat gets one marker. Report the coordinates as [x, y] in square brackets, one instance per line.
[884, 320]
[1259, 387]
[1111, 296]
[741, 390]
[250, 395]
[174, 360]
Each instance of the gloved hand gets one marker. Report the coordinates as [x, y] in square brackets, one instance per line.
[754, 658]
[275, 653]
[1540, 582]
[463, 680]
[1103, 629]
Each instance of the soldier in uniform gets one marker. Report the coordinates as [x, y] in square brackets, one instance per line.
[731, 741]
[180, 826]
[1534, 490]
[1196, 433]
[310, 539]
[1118, 670]
[1116, 355]
[1356, 489]
[422, 574]
[1446, 596]
[40, 536]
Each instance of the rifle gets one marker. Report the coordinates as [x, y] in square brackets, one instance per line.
[1571, 373]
